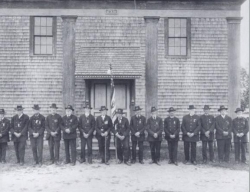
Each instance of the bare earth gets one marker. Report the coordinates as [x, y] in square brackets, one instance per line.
[99, 177]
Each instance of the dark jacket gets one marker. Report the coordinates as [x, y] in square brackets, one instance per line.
[154, 126]
[138, 124]
[172, 127]
[70, 123]
[207, 123]
[86, 125]
[102, 126]
[223, 124]
[53, 123]
[19, 125]
[190, 124]
[240, 125]
[4, 130]
[121, 127]
[37, 125]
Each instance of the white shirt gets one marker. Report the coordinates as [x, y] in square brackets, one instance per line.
[223, 116]
[103, 117]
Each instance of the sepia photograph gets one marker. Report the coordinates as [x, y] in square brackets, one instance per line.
[124, 95]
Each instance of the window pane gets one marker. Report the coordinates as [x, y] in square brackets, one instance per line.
[184, 23]
[49, 22]
[49, 49]
[43, 40]
[171, 32]
[49, 41]
[37, 41]
[37, 49]
[171, 42]
[37, 31]
[183, 42]
[37, 21]
[177, 42]
[183, 51]
[177, 23]
[43, 30]
[171, 23]
[171, 51]
[43, 21]
[177, 32]
[43, 49]
[177, 50]
[49, 30]
[183, 32]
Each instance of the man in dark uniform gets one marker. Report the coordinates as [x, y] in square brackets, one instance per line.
[19, 130]
[121, 131]
[103, 127]
[190, 129]
[223, 124]
[172, 129]
[154, 129]
[137, 126]
[4, 135]
[240, 130]
[207, 123]
[69, 126]
[36, 132]
[86, 128]
[52, 126]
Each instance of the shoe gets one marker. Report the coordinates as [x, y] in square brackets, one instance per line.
[186, 162]
[73, 164]
[204, 161]
[169, 162]
[213, 161]
[244, 162]
[66, 162]
[157, 163]
[141, 162]
[51, 162]
[176, 163]
[82, 161]
[35, 163]
[194, 163]
[133, 162]
[40, 164]
[119, 162]
[151, 162]
[237, 162]
[57, 163]
[89, 160]
[21, 163]
[107, 163]
[17, 162]
[3, 162]
[127, 163]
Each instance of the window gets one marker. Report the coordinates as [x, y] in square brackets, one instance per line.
[177, 36]
[43, 31]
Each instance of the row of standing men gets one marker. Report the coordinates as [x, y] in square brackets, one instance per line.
[192, 126]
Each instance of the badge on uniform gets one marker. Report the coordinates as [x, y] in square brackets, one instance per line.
[243, 122]
[209, 120]
[87, 121]
[55, 120]
[105, 122]
[71, 120]
[140, 121]
[156, 123]
[227, 122]
[174, 122]
[37, 122]
[18, 125]
[194, 120]
[3, 124]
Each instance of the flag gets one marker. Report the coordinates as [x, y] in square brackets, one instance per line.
[113, 106]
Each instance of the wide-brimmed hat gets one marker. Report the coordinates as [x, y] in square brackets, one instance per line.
[2, 111]
[191, 107]
[53, 105]
[222, 107]
[206, 107]
[103, 108]
[137, 108]
[171, 109]
[36, 107]
[87, 106]
[119, 111]
[238, 109]
[153, 109]
[19, 108]
[69, 107]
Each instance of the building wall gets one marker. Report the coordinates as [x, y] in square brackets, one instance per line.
[27, 80]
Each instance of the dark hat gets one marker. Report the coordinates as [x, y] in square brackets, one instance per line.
[53, 105]
[2, 111]
[153, 109]
[36, 107]
[137, 108]
[171, 109]
[238, 109]
[87, 106]
[69, 107]
[19, 108]
[222, 107]
[191, 107]
[119, 111]
[103, 108]
[206, 107]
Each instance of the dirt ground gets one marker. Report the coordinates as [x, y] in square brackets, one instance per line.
[118, 178]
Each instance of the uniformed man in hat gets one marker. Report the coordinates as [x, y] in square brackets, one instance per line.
[240, 130]
[103, 127]
[86, 128]
[52, 126]
[19, 130]
[223, 125]
[172, 129]
[36, 132]
[137, 126]
[4, 135]
[121, 131]
[69, 126]
[190, 129]
[155, 129]
[207, 123]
